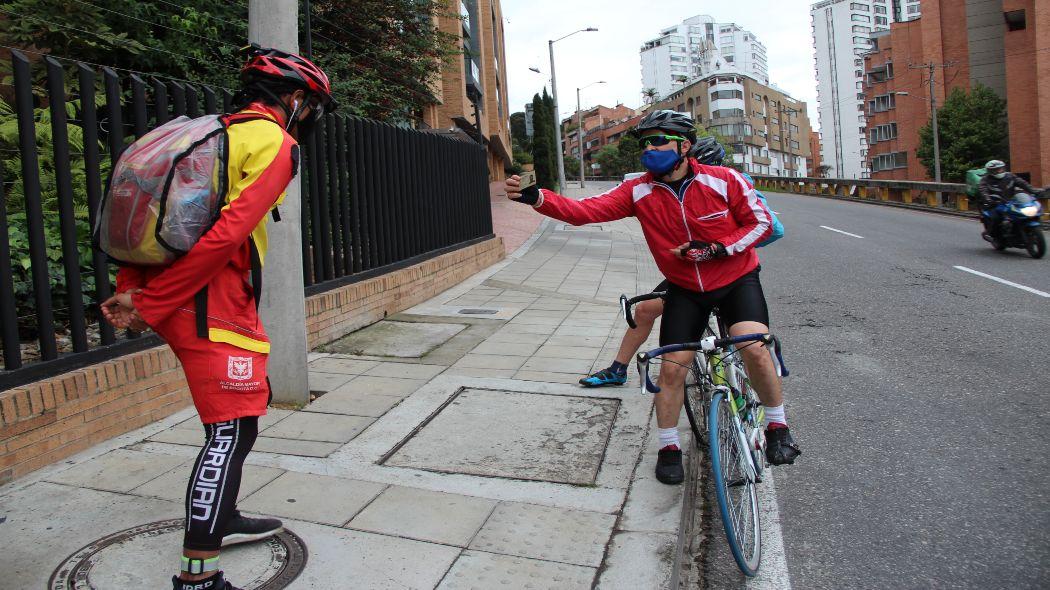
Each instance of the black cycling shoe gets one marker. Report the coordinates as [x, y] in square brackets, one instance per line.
[216, 582]
[242, 529]
[604, 377]
[780, 447]
[669, 466]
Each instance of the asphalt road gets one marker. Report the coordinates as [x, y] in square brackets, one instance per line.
[920, 397]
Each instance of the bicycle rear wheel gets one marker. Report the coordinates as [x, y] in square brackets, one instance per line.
[695, 405]
[736, 492]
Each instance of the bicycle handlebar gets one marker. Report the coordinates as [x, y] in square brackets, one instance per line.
[709, 344]
[626, 304]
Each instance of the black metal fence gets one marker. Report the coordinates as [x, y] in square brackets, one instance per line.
[375, 197]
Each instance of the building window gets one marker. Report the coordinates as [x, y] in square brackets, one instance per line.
[1015, 19]
[881, 20]
[883, 132]
[860, 18]
[724, 94]
[861, 41]
[794, 144]
[880, 10]
[721, 113]
[859, 6]
[882, 103]
[889, 161]
[914, 9]
[861, 29]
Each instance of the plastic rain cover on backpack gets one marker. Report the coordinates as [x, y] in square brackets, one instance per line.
[166, 190]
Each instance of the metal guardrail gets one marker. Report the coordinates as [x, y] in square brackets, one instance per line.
[938, 196]
[375, 197]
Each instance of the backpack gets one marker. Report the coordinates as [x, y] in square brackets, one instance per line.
[166, 190]
[778, 228]
[973, 179]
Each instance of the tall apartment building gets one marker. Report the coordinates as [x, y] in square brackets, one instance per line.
[768, 129]
[472, 92]
[696, 48]
[841, 31]
[999, 43]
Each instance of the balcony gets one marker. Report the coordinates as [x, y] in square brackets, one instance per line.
[763, 160]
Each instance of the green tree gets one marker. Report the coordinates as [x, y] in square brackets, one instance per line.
[972, 130]
[552, 119]
[543, 144]
[517, 130]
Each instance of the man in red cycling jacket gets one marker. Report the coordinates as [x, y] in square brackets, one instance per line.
[702, 224]
[221, 344]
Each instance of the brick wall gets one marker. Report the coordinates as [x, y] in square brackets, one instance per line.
[49, 420]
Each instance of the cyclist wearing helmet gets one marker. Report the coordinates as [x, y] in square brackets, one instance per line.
[701, 223]
[995, 187]
[224, 350]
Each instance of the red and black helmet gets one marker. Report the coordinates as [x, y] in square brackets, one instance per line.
[274, 64]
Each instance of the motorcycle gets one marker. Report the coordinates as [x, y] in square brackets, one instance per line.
[1020, 225]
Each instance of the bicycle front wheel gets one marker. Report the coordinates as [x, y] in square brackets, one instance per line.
[736, 492]
[695, 406]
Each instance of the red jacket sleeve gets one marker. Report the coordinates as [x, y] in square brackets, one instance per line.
[129, 278]
[265, 174]
[750, 214]
[609, 206]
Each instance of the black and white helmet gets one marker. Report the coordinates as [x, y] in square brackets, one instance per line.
[994, 165]
[669, 121]
[708, 151]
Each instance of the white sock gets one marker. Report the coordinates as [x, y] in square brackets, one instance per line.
[669, 436]
[775, 414]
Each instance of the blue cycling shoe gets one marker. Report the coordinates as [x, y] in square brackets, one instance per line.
[603, 378]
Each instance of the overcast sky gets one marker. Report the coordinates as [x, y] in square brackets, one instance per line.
[611, 54]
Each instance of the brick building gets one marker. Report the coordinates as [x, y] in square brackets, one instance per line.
[602, 126]
[993, 42]
[768, 129]
[472, 91]
[813, 162]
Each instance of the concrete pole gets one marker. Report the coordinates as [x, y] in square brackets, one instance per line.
[557, 122]
[275, 23]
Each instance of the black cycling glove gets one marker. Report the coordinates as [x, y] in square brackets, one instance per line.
[530, 195]
[702, 251]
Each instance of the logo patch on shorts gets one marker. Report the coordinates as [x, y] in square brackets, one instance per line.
[239, 368]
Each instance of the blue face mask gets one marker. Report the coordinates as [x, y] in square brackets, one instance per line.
[660, 162]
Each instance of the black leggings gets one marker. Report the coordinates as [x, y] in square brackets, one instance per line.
[211, 496]
[686, 312]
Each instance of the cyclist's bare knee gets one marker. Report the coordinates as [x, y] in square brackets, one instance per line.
[674, 367]
[646, 312]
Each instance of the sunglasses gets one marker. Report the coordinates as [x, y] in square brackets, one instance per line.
[659, 140]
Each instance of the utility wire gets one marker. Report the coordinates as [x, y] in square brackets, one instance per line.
[211, 16]
[153, 24]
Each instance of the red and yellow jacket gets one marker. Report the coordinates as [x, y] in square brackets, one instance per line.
[263, 159]
[719, 205]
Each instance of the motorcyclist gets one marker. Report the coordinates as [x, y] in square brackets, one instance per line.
[996, 187]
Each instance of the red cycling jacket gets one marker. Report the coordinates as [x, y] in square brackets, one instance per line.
[719, 206]
[263, 158]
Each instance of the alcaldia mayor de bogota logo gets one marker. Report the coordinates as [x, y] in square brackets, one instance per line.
[239, 368]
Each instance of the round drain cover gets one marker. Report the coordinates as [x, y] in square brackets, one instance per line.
[146, 557]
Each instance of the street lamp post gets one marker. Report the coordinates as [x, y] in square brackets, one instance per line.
[579, 127]
[557, 116]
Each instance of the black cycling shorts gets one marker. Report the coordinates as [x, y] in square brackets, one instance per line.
[664, 284]
[686, 312]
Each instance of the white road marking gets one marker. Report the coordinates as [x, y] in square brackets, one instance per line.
[1004, 281]
[773, 571]
[841, 232]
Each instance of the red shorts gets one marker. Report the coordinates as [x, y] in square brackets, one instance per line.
[226, 382]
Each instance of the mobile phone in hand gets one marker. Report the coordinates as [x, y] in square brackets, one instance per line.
[528, 178]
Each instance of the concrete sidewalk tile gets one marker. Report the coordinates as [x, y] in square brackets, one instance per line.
[317, 498]
[371, 385]
[424, 515]
[343, 559]
[179, 436]
[480, 372]
[490, 361]
[320, 381]
[297, 448]
[586, 341]
[478, 570]
[172, 485]
[517, 338]
[405, 370]
[342, 365]
[273, 416]
[121, 470]
[569, 352]
[546, 330]
[557, 365]
[505, 348]
[356, 404]
[546, 377]
[638, 560]
[319, 427]
[581, 331]
[542, 532]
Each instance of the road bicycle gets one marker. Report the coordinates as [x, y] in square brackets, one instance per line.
[725, 413]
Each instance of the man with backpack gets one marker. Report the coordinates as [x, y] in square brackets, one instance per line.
[203, 304]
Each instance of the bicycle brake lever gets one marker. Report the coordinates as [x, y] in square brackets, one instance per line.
[626, 309]
[779, 357]
[643, 374]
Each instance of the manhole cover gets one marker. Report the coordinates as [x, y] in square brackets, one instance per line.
[562, 440]
[477, 311]
[396, 339]
[145, 557]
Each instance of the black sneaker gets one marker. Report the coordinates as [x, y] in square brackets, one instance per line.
[242, 529]
[669, 466]
[780, 447]
[216, 582]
